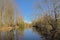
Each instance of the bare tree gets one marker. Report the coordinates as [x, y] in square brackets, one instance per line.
[52, 15]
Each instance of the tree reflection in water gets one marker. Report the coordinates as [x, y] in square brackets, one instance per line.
[20, 34]
[47, 36]
[11, 35]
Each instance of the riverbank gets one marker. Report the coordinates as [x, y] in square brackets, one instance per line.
[3, 29]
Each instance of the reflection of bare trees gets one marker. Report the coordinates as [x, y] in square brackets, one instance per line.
[11, 35]
[6, 36]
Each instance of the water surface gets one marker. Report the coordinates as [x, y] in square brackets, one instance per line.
[25, 34]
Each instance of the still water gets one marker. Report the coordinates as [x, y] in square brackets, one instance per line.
[25, 34]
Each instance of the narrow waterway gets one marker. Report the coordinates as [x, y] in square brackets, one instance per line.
[25, 34]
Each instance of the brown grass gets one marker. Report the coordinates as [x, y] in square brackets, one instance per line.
[8, 28]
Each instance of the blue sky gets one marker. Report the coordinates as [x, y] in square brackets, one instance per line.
[26, 7]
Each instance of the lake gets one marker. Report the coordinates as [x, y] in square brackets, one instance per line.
[20, 34]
